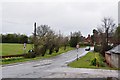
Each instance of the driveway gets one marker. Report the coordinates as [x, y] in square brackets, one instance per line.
[55, 67]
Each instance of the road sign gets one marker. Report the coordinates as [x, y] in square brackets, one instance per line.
[77, 46]
[24, 46]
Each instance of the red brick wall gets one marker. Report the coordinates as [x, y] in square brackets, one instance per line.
[108, 59]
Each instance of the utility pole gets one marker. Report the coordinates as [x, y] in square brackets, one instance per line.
[35, 29]
[35, 42]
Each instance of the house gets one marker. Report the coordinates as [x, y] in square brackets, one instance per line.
[112, 57]
[88, 39]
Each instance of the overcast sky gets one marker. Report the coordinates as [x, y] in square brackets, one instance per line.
[65, 15]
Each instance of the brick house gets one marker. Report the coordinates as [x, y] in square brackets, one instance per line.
[112, 57]
[88, 39]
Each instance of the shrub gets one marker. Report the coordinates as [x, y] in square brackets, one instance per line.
[81, 44]
[73, 41]
[85, 44]
[97, 48]
[57, 49]
[93, 62]
[30, 55]
[101, 62]
[43, 50]
[109, 47]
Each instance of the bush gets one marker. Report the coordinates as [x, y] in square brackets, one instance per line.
[102, 59]
[57, 49]
[94, 62]
[102, 64]
[85, 44]
[73, 41]
[43, 50]
[97, 48]
[30, 55]
[109, 47]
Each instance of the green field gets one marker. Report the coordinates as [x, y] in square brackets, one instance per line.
[12, 49]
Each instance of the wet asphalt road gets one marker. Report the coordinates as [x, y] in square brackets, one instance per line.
[55, 67]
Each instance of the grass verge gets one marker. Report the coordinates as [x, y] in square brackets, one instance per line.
[85, 62]
[21, 59]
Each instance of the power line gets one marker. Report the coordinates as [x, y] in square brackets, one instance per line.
[13, 22]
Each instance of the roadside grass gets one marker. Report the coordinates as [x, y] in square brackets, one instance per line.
[61, 50]
[85, 62]
[14, 48]
[21, 59]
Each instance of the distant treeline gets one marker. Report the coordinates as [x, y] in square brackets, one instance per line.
[14, 38]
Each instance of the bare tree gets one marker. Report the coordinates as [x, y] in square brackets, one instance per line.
[45, 37]
[107, 29]
[108, 26]
[42, 30]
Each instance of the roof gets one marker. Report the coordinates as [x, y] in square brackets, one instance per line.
[115, 49]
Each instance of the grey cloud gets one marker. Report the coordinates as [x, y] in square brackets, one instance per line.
[64, 16]
[119, 12]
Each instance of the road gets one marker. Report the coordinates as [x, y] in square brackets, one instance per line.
[55, 67]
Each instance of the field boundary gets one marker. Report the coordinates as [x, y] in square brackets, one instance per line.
[9, 56]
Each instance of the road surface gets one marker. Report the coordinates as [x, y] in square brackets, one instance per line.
[55, 67]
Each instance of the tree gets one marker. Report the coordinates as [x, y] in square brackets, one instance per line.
[23, 39]
[75, 38]
[14, 38]
[45, 39]
[95, 37]
[108, 27]
[117, 36]
[40, 39]
[42, 30]
[65, 42]
[50, 41]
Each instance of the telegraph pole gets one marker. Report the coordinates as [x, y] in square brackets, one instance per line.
[35, 42]
[35, 29]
